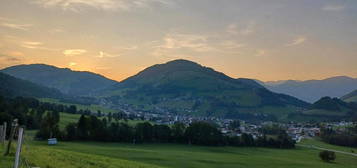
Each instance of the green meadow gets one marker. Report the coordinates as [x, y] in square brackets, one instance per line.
[107, 155]
[92, 107]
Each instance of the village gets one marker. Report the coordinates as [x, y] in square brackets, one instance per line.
[296, 130]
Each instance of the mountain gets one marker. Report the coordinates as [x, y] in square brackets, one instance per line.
[12, 87]
[185, 87]
[328, 108]
[351, 97]
[67, 81]
[312, 90]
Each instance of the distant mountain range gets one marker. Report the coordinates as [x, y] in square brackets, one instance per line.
[313, 90]
[12, 87]
[186, 88]
[77, 83]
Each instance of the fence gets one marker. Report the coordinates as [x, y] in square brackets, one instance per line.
[15, 129]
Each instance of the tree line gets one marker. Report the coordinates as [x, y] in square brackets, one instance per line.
[348, 137]
[95, 126]
[92, 128]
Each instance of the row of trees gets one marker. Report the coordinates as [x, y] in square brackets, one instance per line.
[347, 137]
[98, 127]
[92, 128]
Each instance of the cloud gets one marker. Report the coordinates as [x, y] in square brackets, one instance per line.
[57, 30]
[72, 64]
[236, 30]
[333, 8]
[232, 45]
[134, 47]
[106, 55]
[297, 41]
[31, 44]
[11, 56]
[186, 41]
[36, 45]
[23, 27]
[107, 5]
[260, 53]
[73, 52]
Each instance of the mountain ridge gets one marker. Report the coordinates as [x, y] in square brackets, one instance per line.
[312, 90]
[13, 87]
[64, 79]
[191, 87]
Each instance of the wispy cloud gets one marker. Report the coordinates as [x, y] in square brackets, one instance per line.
[103, 54]
[260, 53]
[333, 8]
[72, 64]
[73, 52]
[232, 45]
[108, 5]
[23, 27]
[189, 41]
[36, 45]
[31, 44]
[134, 47]
[56, 30]
[242, 30]
[297, 41]
[11, 56]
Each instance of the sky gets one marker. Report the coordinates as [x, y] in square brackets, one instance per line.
[258, 39]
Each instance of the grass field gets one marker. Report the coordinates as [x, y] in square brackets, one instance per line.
[92, 107]
[321, 144]
[93, 154]
[66, 118]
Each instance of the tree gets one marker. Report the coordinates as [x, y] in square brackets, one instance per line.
[143, 132]
[83, 127]
[178, 132]
[203, 133]
[162, 133]
[327, 156]
[72, 109]
[110, 117]
[71, 132]
[49, 127]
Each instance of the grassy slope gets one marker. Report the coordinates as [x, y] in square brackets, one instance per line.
[66, 118]
[351, 99]
[326, 145]
[93, 108]
[92, 154]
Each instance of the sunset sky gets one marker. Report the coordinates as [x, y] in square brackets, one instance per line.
[261, 39]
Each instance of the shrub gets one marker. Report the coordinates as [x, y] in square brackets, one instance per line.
[327, 156]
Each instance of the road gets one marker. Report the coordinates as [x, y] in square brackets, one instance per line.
[319, 148]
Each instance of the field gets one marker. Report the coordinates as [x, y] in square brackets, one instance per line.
[93, 154]
[66, 118]
[92, 107]
[327, 146]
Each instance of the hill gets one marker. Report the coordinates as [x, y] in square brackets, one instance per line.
[78, 83]
[351, 97]
[328, 108]
[185, 87]
[312, 90]
[12, 87]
